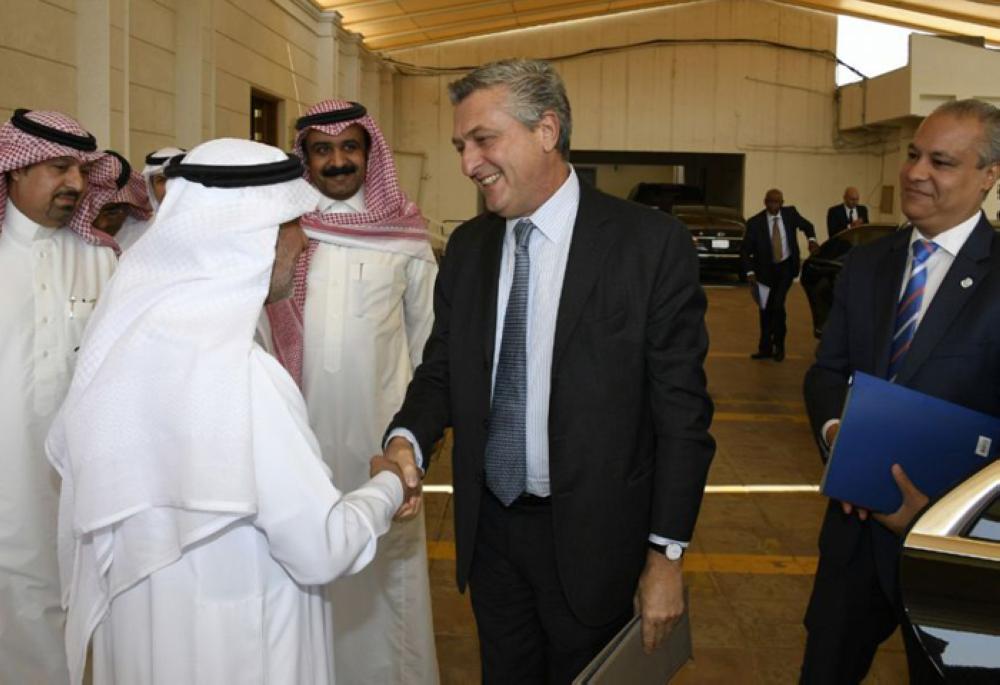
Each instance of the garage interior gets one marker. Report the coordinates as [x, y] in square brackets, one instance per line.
[731, 96]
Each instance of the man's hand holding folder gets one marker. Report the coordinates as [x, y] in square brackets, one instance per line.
[885, 425]
[659, 599]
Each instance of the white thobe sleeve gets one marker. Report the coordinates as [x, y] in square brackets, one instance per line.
[418, 305]
[313, 530]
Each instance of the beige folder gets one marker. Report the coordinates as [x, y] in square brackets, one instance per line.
[623, 661]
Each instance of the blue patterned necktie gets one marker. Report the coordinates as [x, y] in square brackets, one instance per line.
[506, 438]
[908, 311]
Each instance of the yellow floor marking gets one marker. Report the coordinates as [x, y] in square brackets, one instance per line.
[746, 355]
[748, 489]
[697, 562]
[732, 416]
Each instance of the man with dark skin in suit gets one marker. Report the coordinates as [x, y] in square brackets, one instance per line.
[918, 308]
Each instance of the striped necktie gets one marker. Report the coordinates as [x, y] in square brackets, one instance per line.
[506, 438]
[908, 311]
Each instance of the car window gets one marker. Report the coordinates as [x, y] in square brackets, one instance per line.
[987, 526]
[835, 247]
[870, 235]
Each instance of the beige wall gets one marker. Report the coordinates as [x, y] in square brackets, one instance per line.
[142, 74]
[775, 106]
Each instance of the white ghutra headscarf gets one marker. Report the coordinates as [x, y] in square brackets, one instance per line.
[154, 442]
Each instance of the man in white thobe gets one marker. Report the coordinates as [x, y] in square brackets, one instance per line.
[354, 332]
[197, 522]
[152, 173]
[52, 270]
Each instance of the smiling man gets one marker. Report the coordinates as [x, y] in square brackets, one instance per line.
[920, 308]
[351, 336]
[567, 355]
[53, 267]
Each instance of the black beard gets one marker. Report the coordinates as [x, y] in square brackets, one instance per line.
[333, 171]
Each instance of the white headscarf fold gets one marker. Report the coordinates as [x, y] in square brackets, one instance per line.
[154, 439]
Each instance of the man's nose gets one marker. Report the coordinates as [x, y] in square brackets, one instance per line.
[75, 178]
[470, 161]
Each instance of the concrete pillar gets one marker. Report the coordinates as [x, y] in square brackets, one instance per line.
[349, 67]
[93, 68]
[328, 56]
[193, 17]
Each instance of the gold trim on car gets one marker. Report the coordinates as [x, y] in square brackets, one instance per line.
[939, 528]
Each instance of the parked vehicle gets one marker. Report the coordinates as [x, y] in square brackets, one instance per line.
[665, 195]
[718, 234]
[820, 271]
[949, 578]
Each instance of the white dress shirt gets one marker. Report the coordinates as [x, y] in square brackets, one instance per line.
[548, 249]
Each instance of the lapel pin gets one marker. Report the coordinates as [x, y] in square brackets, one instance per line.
[966, 282]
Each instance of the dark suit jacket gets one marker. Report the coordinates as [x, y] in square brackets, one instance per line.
[756, 250]
[955, 355]
[629, 413]
[836, 218]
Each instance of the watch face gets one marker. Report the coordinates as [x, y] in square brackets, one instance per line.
[674, 551]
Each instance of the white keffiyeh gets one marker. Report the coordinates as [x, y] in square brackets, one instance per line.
[154, 441]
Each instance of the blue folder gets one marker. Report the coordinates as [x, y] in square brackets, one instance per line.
[938, 444]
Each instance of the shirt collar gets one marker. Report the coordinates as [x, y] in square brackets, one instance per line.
[19, 227]
[355, 204]
[951, 240]
[554, 219]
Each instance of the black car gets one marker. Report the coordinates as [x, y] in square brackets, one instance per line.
[819, 272]
[665, 195]
[717, 233]
[949, 577]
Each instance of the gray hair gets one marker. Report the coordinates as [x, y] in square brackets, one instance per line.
[988, 116]
[534, 88]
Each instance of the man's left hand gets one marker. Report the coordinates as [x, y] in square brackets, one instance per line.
[813, 247]
[913, 502]
[659, 598]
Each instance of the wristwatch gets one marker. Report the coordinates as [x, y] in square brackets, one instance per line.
[672, 551]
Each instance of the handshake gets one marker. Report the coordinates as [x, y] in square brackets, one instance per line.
[399, 458]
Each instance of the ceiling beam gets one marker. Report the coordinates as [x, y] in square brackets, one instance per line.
[902, 13]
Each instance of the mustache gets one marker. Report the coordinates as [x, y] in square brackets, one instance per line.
[75, 195]
[333, 171]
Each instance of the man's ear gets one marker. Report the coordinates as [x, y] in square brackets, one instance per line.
[17, 174]
[548, 130]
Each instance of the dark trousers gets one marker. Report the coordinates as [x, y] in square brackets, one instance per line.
[773, 320]
[849, 616]
[527, 631]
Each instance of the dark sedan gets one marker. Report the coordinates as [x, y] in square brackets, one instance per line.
[819, 272]
[717, 233]
[949, 577]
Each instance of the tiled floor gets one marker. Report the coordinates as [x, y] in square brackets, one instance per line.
[749, 570]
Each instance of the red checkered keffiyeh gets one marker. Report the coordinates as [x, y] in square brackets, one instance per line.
[33, 137]
[111, 180]
[390, 221]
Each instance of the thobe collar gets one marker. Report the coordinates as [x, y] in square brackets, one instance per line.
[355, 204]
[23, 230]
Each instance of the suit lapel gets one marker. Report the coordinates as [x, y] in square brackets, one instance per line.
[886, 297]
[489, 273]
[970, 267]
[588, 249]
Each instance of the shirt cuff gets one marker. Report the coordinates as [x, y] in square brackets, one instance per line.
[813, 240]
[825, 429]
[751, 273]
[660, 540]
[409, 437]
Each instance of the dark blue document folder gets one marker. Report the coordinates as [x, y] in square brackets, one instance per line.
[936, 442]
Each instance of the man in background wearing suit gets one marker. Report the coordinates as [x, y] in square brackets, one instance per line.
[921, 308]
[847, 215]
[770, 256]
[567, 354]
